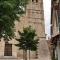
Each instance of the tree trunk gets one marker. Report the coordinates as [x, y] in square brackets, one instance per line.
[25, 54]
[29, 54]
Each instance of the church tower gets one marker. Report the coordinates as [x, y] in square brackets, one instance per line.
[34, 17]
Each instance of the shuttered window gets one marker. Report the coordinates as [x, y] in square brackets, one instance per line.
[8, 50]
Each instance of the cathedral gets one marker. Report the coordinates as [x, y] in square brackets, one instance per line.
[33, 17]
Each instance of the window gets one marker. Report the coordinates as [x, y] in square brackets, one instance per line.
[8, 50]
[32, 0]
[36, 0]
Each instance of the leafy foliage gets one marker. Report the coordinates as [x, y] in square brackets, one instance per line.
[8, 14]
[27, 39]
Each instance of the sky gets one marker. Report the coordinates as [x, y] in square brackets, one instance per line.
[47, 16]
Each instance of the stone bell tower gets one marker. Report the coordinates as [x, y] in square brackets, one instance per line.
[35, 17]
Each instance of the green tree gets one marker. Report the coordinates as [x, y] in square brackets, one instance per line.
[27, 40]
[8, 14]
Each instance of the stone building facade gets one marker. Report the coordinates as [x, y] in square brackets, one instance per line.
[33, 17]
[55, 29]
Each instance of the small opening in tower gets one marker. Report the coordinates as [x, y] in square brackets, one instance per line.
[32, 0]
[36, 0]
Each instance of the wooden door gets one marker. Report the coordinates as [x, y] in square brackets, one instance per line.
[8, 50]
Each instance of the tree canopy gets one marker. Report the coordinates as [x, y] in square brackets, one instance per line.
[8, 14]
[28, 39]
